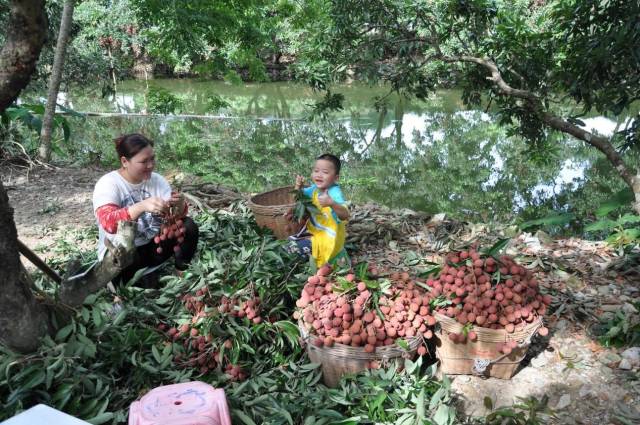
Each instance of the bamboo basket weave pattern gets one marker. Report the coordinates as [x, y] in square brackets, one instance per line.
[270, 208]
[458, 358]
[342, 359]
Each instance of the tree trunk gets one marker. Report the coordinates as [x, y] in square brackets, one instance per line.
[143, 68]
[23, 321]
[636, 193]
[44, 151]
[26, 33]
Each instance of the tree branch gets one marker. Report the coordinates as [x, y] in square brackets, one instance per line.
[603, 144]
[119, 255]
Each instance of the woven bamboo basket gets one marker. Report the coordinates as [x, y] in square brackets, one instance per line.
[481, 357]
[270, 208]
[341, 359]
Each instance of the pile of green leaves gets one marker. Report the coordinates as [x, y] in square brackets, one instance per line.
[405, 393]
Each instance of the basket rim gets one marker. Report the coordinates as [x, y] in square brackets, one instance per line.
[252, 199]
[347, 351]
[450, 325]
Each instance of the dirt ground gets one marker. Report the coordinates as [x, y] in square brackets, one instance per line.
[585, 382]
[50, 203]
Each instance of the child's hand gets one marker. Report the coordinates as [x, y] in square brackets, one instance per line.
[325, 200]
[299, 182]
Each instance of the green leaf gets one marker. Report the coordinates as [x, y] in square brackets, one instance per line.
[497, 247]
[550, 220]
[101, 418]
[156, 354]
[97, 317]
[242, 416]
[620, 199]
[402, 344]
[444, 415]
[63, 333]
[488, 403]
[91, 299]
[420, 412]
[629, 218]
[34, 380]
[601, 225]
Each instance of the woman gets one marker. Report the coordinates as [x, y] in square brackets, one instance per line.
[135, 193]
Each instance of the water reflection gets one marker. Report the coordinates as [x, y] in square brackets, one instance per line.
[432, 156]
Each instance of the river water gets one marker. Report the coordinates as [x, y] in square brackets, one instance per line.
[433, 156]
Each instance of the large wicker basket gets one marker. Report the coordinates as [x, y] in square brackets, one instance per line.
[270, 208]
[341, 359]
[481, 357]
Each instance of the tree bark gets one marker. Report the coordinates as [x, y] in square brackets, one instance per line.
[23, 321]
[44, 152]
[25, 36]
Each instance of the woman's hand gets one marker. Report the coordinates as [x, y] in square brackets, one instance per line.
[154, 205]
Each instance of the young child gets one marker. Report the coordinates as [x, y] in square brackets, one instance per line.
[327, 228]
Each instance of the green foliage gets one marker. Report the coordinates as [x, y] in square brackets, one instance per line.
[530, 411]
[620, 199]
[214, 103]
[622, 330]
[599, 67]
[622, 232]
[93, 366]
[31, 115]
[546, 49]
[162, 101]
[331, 102]
[556, 219]
[303, 207]
[410, 396]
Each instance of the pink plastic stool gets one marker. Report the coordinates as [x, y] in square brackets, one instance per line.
[190, 403]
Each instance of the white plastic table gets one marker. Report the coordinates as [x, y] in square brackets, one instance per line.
[42, 414]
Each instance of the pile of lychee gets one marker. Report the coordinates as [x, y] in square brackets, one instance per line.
[203, 351]
[367, 313]
[487, 292]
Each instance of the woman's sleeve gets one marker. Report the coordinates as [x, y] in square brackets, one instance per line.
[109, 215]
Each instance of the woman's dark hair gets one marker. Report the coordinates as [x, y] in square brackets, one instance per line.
[129, 145]
[331, 158]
